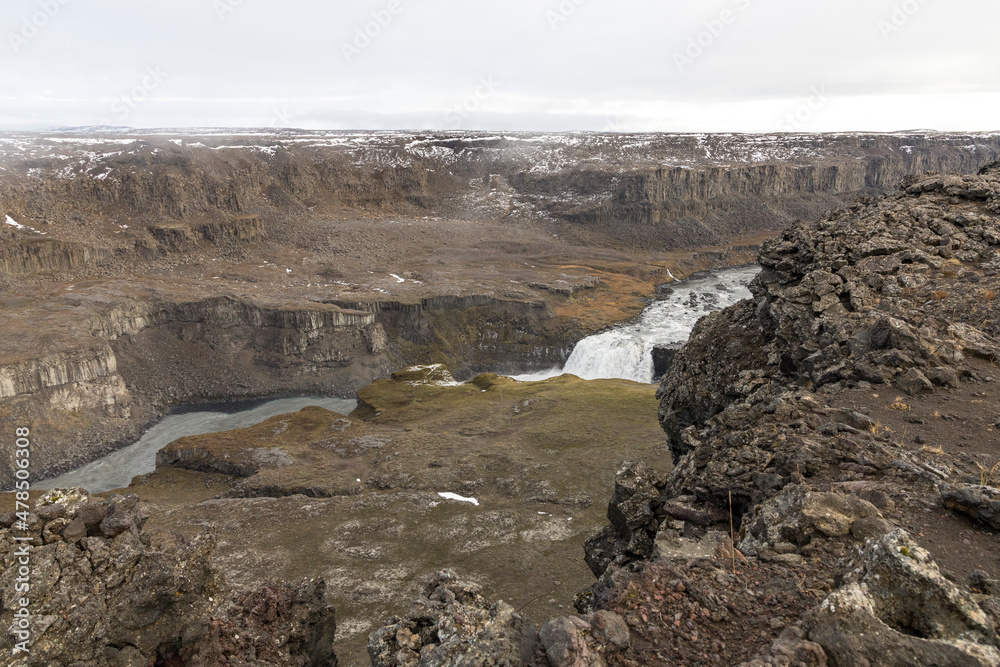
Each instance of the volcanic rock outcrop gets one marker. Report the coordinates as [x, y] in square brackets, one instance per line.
[452, 624]
[104, 592]
[888, 292]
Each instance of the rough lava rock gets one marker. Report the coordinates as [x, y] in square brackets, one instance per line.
[663, 356]
[796, 516]
[895, 609]
[105, 593]
[451, 624]
[979, 502]
[585, 641]
[846, 299]
[635, 515]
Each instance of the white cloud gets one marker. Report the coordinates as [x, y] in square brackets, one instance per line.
[608, 63]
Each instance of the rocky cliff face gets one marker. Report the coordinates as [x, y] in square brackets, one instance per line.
[60, 369]
[46, 255]
[474, 333]
[154, 353]
[671, 190]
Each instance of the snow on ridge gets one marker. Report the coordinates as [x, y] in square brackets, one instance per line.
[14, 223]
[89, 141]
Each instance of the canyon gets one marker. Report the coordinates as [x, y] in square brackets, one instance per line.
[144, 270]
[149, 272]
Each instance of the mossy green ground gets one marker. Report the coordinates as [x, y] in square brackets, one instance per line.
[539, 457]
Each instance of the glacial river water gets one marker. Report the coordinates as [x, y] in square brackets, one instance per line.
[116, 470]
[621, 352]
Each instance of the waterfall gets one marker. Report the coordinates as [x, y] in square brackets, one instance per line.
[626, 351]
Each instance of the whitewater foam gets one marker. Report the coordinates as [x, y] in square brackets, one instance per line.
[626, 351]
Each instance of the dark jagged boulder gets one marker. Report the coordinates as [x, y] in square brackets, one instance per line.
[979, 502]
[635, 513]
[699, 382]
[663, 355]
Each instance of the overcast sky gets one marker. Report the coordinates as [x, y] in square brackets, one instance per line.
[621, 65]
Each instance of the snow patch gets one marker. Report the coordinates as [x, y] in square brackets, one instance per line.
[436, 375]
[14, 223]
[461, 499]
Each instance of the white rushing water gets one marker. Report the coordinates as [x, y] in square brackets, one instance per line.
[116, 470]
[626, 351]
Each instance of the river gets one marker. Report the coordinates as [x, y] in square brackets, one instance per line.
[623, 351]
[117, 469]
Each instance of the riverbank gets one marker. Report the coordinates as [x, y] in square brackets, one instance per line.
[117, 470]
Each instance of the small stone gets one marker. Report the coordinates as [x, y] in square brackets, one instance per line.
[115, 524]
[53, 530]
[870, 527]
[75, 531]
[914, 382]
[50, 512]
[943, 377]
[979, 502]
[93, 513]
[610, 628]
[408, 640]
[785, 548]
